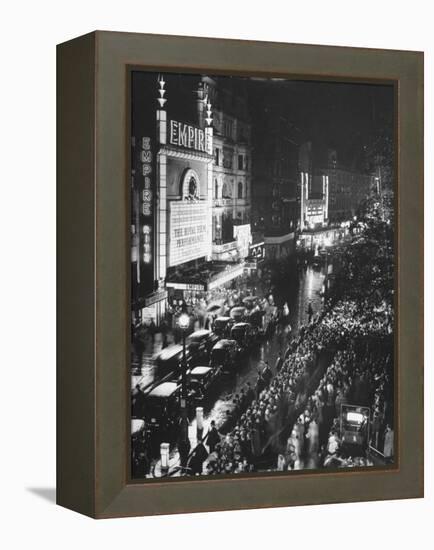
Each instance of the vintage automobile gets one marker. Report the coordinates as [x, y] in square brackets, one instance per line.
[354, 428]
[201, 381]
[168, 361]
[245, 335]
[257, 319]
[200, 344]
[222, 326]
[224, 355]
[238, 314]
[250, 302]
[162, 406]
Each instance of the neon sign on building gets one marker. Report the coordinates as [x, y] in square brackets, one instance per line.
[146, 160]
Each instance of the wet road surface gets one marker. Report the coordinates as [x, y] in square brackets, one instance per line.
[220, 400]
[308, 291]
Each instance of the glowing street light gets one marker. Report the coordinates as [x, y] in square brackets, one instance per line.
[184, 446]
[199, 422]
[184, 321]
[164, 455]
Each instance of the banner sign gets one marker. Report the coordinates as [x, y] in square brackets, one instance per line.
[243, 236]
[258, 250]
[190, 232]
[185, 286]
[155, 297]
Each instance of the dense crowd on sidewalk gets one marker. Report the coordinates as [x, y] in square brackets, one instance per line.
[299, 424]
[360, 372]
[343, 356]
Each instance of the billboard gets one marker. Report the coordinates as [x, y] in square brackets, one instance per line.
[243, 236]
[189, 231]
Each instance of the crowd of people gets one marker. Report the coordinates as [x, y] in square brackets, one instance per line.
[294, 421]
[202, 308]
[343, 356]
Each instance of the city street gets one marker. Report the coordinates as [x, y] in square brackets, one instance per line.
[262, 275]
[219, 405]
[308, 291]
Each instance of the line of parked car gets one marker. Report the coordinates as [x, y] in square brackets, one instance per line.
[209, 355]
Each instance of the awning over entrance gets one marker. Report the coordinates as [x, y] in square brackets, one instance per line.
[210, 275]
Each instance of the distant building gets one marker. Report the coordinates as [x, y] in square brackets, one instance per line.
[328, 199]
[231, 217]
[190, 207]
[341, 190]
[314, 201]
[274, 175]
[347, 190]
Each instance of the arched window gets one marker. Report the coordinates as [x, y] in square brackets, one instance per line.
[240, 189]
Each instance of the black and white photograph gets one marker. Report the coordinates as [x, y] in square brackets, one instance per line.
[262, 275]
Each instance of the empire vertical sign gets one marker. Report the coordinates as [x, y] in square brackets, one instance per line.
[147, 171]
[147, 210]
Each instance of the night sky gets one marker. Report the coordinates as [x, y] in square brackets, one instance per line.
[340, 116]
[347, 117]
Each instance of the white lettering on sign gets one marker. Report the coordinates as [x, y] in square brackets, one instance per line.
[185, 135]
[146, 159]
[185, 286]
[190, 232]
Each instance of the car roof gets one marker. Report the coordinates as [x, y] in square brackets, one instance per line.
[223, 318]
[197, 371]
[169, 352]
[166, 389]
[224, 344]
[241, 325]
[199, 333]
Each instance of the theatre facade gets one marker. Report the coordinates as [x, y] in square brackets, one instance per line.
[172, 198]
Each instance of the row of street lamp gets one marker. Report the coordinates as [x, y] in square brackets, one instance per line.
[184, 442]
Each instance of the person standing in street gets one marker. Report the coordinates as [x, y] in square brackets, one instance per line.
[197, 458]
[312, 437]
[250, 394]
[388, 443]
[260, 385]
[212, 438]
[279, 362]
[309, 312]
[267, 374]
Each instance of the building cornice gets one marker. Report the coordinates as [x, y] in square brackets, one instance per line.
[185, 154]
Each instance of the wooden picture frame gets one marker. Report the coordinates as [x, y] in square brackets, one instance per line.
[93, 273]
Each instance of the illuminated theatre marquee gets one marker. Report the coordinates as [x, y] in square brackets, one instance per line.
[190, 236]
[185, 135]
